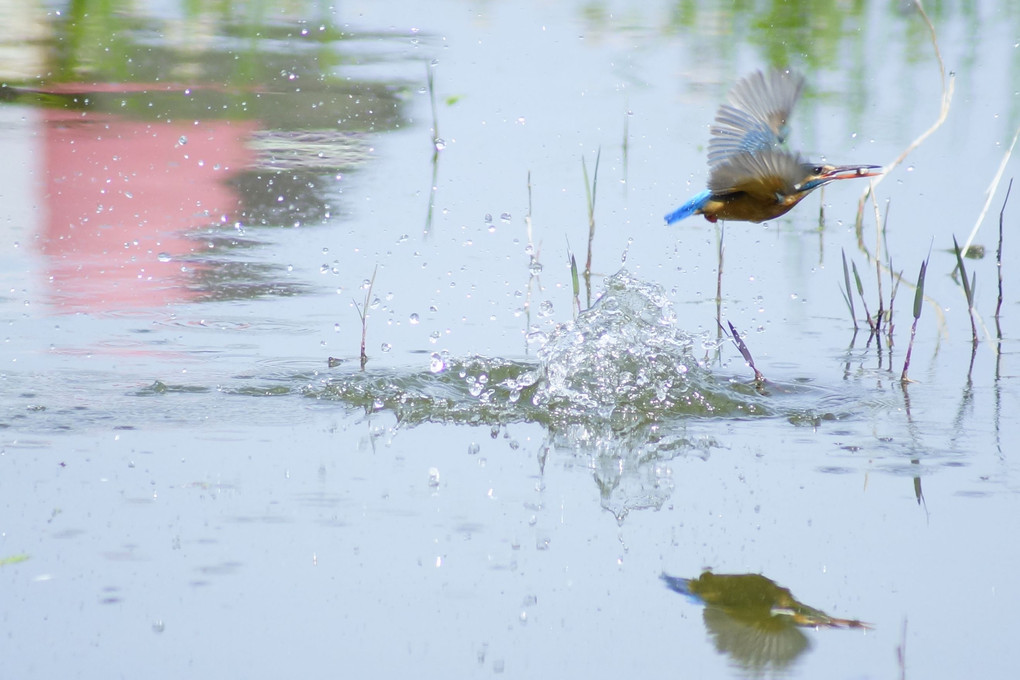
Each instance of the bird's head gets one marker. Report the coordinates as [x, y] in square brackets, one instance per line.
[814, 176]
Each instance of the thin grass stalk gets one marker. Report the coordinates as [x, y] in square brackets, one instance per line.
[998, 260]
[991, 191]
[880, 224]
[437, 144]
[718, 278]
[894, 284]
[363, 315]
[576, 284]
[591, 189]
[880, 314]
[882, 242]
[759, 379]
[430, 84]
[968, 289]
[860, 292]
[894, 281]
[901, 652]
[848, 295]
[534, 265]
[918, 304]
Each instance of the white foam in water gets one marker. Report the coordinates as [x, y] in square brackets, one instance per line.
[627, 349]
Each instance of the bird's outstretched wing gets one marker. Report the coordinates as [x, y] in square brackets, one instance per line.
[763, 174]
[755, 119]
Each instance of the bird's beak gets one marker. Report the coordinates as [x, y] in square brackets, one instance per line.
[851, 171]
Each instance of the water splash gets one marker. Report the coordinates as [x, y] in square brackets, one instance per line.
[625, 359]
[625, 353]
[619, 386]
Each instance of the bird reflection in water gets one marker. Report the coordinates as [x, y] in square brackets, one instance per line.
[752, 177]
[754, 620]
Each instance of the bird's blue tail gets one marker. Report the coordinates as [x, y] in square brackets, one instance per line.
[689, 208]
[680, 585]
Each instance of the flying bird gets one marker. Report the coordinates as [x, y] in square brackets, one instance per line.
[752, 176]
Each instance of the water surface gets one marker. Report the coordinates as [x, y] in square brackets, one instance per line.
[197, 200]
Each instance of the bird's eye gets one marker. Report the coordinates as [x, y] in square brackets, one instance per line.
[817, 170]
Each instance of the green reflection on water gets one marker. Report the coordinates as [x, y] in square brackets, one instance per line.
[292, 77]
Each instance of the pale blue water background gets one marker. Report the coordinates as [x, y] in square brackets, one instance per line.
[245, 522]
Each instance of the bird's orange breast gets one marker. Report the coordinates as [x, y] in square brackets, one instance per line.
[745, 207]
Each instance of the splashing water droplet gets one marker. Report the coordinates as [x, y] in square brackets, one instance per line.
[536, 338]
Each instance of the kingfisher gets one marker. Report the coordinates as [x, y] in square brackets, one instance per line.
[752, 176]
[753, 598]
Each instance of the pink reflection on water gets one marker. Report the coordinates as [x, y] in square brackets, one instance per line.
[119, 197]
